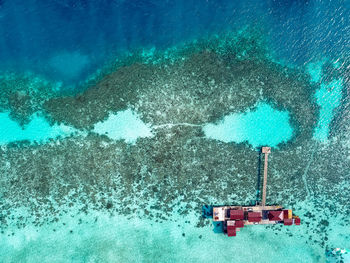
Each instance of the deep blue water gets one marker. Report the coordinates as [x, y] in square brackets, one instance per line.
[36, 33]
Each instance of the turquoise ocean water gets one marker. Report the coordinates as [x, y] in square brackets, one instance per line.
[121, 120]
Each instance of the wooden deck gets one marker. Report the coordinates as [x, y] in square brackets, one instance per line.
[266, 151]
[261, 222]
[222, 211]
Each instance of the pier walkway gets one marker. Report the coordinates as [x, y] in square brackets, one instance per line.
[266, 151]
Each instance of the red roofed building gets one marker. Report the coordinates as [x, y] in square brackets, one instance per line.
[236, 214]
[297, 221]
[275, 215]
[254, 216]
[231, 228]
[231, 231]
[239, 223]
[288, 222]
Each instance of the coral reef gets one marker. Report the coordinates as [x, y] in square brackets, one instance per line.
[24, 94]
[195, 87]
[178, 169]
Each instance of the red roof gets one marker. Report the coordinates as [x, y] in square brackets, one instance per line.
[275, 215]
[288, 222]
[297, 221]
[239, 223]
[254, 216]
[236, 214]
[231, 231]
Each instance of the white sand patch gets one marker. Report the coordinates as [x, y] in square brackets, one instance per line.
[123, 125]
[261, 126]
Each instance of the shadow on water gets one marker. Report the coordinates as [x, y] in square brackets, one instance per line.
[207, 212]
[218, 227]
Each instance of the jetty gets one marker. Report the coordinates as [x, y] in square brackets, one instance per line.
[233, 218]
[266, 151]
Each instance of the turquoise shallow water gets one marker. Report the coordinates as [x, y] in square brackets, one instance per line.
[328, 97]
[124, 125]
[38, 130]
[260, 126]
[118, 239]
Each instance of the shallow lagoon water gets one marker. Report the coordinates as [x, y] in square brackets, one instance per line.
[37, 130]
[147, 241]
[329, 98]
[259, 126]
[123, 125]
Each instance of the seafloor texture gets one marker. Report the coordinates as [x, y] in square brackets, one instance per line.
[164, 180]
[24, 95]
